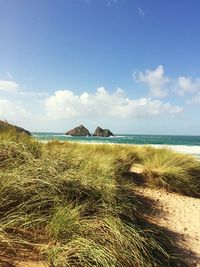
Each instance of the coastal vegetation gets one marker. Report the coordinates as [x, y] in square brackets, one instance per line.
[164, 168]
[73, 204]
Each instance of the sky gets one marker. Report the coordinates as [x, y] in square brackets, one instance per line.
[132, 66]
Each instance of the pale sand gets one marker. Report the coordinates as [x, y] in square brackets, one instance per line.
[23, 263]
[178, 214]
[31, 264]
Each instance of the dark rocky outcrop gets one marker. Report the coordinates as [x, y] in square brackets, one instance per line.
[102, 132]
[79, 131]
[5, 126]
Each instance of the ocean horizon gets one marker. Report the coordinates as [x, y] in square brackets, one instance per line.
[189, 144]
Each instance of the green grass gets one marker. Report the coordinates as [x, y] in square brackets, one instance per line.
[170, 170]
[71, 204]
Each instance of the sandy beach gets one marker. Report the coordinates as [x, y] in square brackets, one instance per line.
[178, 214]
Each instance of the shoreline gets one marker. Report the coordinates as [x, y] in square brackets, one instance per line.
[184, 149]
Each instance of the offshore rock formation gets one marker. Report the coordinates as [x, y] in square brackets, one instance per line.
[5, 126]
[79, 131]
[102, 132]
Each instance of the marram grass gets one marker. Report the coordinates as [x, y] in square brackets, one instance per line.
[172, 171]
[71, 204]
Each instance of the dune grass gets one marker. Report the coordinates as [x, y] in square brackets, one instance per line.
[170, 170]
[71, 204]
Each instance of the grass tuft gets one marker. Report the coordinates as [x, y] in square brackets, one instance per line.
[172, 171]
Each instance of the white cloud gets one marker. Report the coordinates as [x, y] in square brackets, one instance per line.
[107, 2]
[141, 12]
[64, 104]
[156, 81]
[13, 87]
[160, 85]
[194, 100]
[11, 111]
[185, 85]
[9, 75]
[111, 2]
[8, 86]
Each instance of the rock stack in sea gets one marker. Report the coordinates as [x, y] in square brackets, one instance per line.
[83, 131]
[5, 126]
[102, 132]
[79, 131]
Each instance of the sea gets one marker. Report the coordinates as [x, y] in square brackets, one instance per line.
[180, 143]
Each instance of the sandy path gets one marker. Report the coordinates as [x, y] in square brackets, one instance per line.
[178, 214]
[23, 263]
[31, 264]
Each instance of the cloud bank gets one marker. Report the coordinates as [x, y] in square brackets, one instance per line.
[64, 104]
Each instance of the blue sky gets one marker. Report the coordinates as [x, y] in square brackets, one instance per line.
[130, 65]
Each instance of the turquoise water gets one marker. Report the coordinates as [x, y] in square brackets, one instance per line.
[180, 143]
[126, 139]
